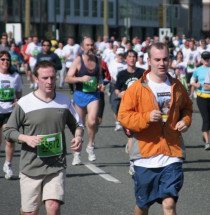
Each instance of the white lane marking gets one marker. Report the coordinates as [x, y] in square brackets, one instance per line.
[101, 173]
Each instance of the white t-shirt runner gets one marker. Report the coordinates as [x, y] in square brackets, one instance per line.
[162, 92]
[9, 84]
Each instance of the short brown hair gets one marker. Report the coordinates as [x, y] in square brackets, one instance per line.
[158, 45]
[43, 64]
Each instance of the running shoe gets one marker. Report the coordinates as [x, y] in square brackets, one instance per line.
[8, 171]
[76, 159]
[207, 146]
[118, 126]
[91, 153]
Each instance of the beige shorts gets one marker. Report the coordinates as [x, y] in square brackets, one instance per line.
[35, 190]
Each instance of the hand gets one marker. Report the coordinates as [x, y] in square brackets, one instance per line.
[86, 78]
[101, 87]
[155, 116]
[120, 95]
[197, 85]
[14, 103]
[32, 141]
[76, 144]
[181, 126]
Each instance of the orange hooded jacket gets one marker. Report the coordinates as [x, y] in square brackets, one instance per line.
[157, 137]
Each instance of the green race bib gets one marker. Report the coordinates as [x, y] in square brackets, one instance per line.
[51, 145]
[90, 86]
[7, 94]
[62, 59]
[35, 52]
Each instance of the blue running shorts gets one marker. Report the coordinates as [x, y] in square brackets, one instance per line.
[154, 184]
[82, 99]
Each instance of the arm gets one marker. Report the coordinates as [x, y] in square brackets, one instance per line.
[75, 125]
[206, 87]
[130, 114]
[70, 77]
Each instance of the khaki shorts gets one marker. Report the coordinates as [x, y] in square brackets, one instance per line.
[35, 190]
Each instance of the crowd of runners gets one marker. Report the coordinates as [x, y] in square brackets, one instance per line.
[92, 70]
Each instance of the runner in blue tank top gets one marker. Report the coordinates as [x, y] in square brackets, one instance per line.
[84, 72]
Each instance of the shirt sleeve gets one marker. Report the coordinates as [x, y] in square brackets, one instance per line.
[11, 132]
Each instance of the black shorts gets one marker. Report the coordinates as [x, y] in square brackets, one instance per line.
[4, 118]
[188, 76]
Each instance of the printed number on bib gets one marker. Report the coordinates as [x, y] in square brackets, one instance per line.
[7, 94]
[51, 145]
[90, 86]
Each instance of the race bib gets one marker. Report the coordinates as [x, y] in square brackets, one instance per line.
[7, 94]
[35, 52]
[90, 86]
[62, 59]
[51, 145]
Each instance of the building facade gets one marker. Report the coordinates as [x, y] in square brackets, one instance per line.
[78, 18]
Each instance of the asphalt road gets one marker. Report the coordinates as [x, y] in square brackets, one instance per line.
[106, 188]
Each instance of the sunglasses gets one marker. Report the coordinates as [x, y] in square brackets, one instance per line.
[3, 59]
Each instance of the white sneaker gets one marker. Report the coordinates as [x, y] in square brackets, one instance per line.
[76, 159]
[91, 153]
[8, 170]
[118, 126]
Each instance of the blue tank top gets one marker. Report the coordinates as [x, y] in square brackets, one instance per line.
[89, 86]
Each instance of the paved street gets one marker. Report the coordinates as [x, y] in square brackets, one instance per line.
[106, 188]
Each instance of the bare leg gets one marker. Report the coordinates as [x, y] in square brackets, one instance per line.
[52, 207]
[92, 121]
[169, 206]
[140, 211]
[9, 149]
[206, 136]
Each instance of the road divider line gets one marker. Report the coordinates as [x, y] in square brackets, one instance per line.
[101, 173]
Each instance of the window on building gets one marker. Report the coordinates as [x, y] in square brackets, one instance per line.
[176, 12]
[67, 6]
[86, 7]
[94, 8]
[77, 7]
[111, 9]
[102, 9]
[143, 13]
[57, 7]
[10, 6]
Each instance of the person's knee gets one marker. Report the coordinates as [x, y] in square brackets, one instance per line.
[169, 203]
[10, 145]
[92, 121]
[52, 205]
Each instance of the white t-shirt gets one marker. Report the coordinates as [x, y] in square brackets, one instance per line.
[73, 51]
[192, 57]
[162, 92]
[115, 67]
[32, 48]
[9, 83]
[60, 53]
[144, 66]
